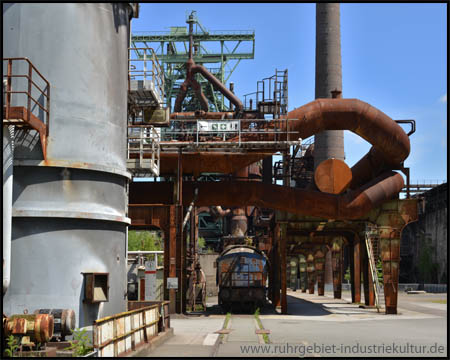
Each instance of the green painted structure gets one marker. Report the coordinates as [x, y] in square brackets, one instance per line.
[221, 56]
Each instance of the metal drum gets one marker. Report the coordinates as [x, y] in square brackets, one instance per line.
[70, 210]
[38, 327]
[64, 320]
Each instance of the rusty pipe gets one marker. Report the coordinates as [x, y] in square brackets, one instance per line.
[219, 212]
[386, 136]
[219, 86]
[391, 145]
[190, 81]
[200, 96]
[352, 205]
[191, 70]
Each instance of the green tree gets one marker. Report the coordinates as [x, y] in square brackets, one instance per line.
[201, 242]
[145, 241]
[347, 275]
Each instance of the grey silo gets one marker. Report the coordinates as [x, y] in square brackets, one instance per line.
[70, 213]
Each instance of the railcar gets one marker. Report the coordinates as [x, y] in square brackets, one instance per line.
[241, 276]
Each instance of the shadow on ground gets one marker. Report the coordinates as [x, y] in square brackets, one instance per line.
[296, 306]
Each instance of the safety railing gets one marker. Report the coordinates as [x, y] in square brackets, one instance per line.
[214, 32]
[271, 96]
[122, 333]
[227, 133]
[31, 86]
[163, 306]
[143, 145]
[143, 65]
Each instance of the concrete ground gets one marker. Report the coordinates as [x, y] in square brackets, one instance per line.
[317, 326]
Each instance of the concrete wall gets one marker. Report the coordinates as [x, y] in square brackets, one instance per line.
[428, 234]
[207, 264]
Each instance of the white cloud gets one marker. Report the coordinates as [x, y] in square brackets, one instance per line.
[443, 98]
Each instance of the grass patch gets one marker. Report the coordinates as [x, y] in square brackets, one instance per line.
[225, 324]
[258, 320]
[441, 301]
[227, 320]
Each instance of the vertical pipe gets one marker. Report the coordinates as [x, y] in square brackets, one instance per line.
[232, 90]
[330, 143]
[239, 220]
[8, 155]
[191, 39]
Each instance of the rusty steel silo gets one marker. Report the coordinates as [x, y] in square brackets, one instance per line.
[69, 211]
[330, 143]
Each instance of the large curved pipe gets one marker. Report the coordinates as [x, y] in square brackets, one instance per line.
[386, 136]
[352, 205]
[391, 145]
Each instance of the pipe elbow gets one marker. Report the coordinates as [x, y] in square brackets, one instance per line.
[359, 202]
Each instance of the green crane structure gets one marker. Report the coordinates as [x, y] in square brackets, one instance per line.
[172, 50]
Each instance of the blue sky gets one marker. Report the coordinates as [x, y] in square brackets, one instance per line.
[394, 56]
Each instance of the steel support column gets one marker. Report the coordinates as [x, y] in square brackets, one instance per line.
[357, 269]
[319, 265]
[364, 269]
[369, 296]
[390, 256]
[311, 273]
[350, 252]
[180, 249]
[166, 259]
[283, 256]
[336, 254]
[172, 256]
[303, 273]
[276, 268]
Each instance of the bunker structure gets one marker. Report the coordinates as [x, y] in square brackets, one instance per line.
[82, 117]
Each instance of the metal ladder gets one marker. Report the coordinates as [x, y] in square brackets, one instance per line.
[373, 269]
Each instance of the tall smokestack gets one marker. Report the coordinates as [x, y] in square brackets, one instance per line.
[328, 144]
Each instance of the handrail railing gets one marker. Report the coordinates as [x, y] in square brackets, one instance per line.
[153, 72]
[9, 91]
[141, 140]
[203, 131]
[214, 32]
[121, 333]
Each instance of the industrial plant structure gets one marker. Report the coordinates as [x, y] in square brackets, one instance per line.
[82, 117]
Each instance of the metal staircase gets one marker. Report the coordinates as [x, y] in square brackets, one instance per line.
[370, 235]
